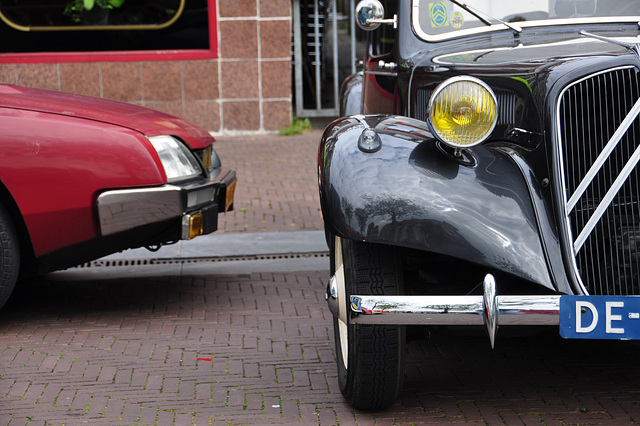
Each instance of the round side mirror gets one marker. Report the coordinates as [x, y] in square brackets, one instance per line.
[368, 14]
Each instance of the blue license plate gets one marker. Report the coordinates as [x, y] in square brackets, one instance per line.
[600, 317]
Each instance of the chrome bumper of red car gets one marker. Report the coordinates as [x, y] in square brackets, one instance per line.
[197, 204]
[489, 309]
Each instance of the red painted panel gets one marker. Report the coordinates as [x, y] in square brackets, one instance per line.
[144, 120]
[54, 166]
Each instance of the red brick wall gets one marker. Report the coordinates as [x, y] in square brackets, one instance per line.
[246, 89]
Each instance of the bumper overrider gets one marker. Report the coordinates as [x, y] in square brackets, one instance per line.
[489, 309]
[197, 203]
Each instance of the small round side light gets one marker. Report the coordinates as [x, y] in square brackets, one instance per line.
[369, 141]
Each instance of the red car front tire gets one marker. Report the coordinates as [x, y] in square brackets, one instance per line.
[9, 256]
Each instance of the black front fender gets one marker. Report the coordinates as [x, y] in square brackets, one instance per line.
[412, 194]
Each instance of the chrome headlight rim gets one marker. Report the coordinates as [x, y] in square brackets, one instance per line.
[447, 84]
[178, 162]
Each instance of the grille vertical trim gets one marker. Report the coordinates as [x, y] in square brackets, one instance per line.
[598, 137]
[606, 201]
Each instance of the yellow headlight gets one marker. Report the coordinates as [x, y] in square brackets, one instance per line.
[462, 112]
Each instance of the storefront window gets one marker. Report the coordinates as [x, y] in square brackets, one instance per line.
[103, 25]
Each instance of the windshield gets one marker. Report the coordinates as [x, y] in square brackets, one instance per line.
[439, 20]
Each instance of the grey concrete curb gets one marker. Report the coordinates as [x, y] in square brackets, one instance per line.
[234, 244]
[214, 254]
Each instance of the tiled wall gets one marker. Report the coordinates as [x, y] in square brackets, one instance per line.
[247, 89]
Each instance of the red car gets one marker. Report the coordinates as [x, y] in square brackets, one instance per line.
[82, 177]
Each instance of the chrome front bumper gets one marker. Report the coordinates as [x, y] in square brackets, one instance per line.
[125, 209]
[489, 309]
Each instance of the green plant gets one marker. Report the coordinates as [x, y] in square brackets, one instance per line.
[296, 127]
[74, 8]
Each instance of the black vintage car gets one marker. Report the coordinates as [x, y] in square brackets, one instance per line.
[483, 173]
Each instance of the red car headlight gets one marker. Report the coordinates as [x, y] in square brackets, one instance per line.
[178, 161]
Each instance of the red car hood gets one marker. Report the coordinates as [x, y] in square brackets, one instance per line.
[143, 120]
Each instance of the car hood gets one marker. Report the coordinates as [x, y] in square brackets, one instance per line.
[533, 72]
[540, 62]
[143, 120]
[530, 53]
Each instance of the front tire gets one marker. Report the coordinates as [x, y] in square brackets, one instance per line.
[9, 256]
[370, 358]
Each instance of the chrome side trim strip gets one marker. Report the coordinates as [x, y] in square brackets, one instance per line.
[382, 73]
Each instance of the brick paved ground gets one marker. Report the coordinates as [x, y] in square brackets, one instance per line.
[123, 352]
[277, 187]
[179, 347]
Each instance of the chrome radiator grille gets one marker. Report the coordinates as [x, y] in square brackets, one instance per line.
[599, 135]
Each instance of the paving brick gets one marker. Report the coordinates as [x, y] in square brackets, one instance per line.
[131, 413]
[171, 385]
[33, 393]
[118, 346]
[187, 389]
[17, 390]
[81, 401]
[65, 398]
[113, 410]
[97, 406]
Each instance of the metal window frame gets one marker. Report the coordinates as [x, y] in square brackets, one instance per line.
[319, 110]
[81, 27]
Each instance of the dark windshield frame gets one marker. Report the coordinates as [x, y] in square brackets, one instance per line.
[422, 34]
